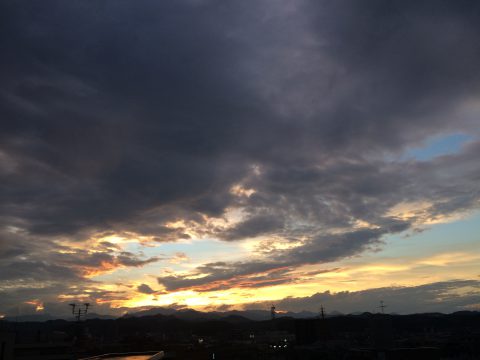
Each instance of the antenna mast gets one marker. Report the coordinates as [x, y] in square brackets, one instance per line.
[382, 306]
[80, 311]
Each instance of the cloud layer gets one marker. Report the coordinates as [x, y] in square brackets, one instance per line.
[435, 297]
[126, 118]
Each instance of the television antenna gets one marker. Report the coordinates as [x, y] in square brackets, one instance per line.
[79, 311]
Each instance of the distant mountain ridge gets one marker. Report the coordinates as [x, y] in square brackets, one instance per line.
[182, 314]
[188, 314]
[46, 317]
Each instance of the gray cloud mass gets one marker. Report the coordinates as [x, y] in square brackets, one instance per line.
[121, 117]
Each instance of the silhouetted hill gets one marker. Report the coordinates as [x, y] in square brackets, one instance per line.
[31, 318]
[466, 313]
[190, 314]
[152, 311]
[233, 315]
[193, 322]
[46, 317]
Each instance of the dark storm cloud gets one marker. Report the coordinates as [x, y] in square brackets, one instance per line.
[134, 110]
[31, 260]
[118, 116]
[36, 271]
[406, 63]
[127, 108]
[253, 227]
[66, 267]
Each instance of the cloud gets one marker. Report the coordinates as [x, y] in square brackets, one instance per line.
[56, 296]
[448, 296]
[123, 118]
[145, 289]
[253, 227]
[318, 250]
[109, 162]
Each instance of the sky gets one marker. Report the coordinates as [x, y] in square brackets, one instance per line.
[226, 155]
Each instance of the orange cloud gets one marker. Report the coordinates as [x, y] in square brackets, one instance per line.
[37, 303]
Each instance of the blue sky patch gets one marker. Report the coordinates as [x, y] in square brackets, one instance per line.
[438, 146]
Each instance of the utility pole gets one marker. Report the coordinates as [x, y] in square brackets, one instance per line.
[382, 306]
[322, 312]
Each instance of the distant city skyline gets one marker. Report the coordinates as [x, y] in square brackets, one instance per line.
[223, 155]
